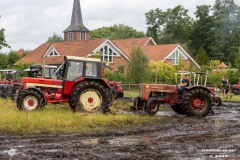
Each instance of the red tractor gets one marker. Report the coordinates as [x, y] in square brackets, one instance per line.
[116, 89]
[9, 83]
[236, 88]
[196, 100]
[81, 84]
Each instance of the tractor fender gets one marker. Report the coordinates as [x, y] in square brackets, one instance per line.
[198, 87]
[40, 92]
[102, 81]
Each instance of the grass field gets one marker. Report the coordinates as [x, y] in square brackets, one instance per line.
[60, 119]
[235, 98]
[132, 94]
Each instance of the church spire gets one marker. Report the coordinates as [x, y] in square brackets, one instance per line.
[76, 30]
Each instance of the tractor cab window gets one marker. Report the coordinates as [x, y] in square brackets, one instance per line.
[74, 70]
[91, 69]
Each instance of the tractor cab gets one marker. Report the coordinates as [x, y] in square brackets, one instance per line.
[42, 71]
[76, 67]
[9, 82]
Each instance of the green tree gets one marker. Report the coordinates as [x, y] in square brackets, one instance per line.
[202, 34]
[237, 60]
[161, 72]
[202, 57]
[12, 58]
[155, 19]
[137, 66]
[3, 61]
[55, 38]
[3, 42]
[116, 32]
[226, 26]
[171, 26]
[178, 24]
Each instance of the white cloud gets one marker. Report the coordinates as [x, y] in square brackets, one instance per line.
[29, 23]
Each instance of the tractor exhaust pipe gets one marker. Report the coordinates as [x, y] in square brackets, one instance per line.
[44, 69]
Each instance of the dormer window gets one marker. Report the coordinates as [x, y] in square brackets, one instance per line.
[107, 53]
[176, 57]
[51, 52]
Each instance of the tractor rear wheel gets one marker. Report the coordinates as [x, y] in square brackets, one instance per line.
[90, 96]
[197, 102]
[29, 100]
[178, 109]
[152, 105]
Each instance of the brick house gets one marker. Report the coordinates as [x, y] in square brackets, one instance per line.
[116, 53]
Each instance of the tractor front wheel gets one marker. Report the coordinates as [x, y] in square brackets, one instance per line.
[152, 105]
[197, 102]
[29, 100]
[90, 96]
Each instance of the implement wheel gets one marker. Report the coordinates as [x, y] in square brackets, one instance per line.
[90, 96]
[197, 102]
[137, 104]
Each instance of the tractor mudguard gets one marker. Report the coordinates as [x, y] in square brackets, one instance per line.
[200, 87]
[40, 92]
[102, 81]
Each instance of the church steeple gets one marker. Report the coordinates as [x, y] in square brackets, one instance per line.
[76, 30]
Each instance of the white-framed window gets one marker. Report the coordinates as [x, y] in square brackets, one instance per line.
[70, 36]
[176, 57]
[107, 54]
[83, 36]
[51, 52]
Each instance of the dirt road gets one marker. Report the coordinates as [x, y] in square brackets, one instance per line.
[216, 136]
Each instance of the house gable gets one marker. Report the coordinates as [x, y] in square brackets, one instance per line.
[150, 42]
[51, 52]
[177, 54]
[109, 51]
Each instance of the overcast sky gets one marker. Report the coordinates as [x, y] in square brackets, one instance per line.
[29, 23]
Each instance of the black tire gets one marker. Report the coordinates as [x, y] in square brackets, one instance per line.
[178, 109]
[100, 94]
[236, 91]
[197, 102]
[218, 101]
[29, 100]
[152, 105]
[120, 95]
[137, 104]
[113, 95]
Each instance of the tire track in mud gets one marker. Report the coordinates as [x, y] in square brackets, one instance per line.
[181, 137]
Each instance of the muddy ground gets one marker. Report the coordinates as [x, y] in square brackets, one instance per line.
[216, 136]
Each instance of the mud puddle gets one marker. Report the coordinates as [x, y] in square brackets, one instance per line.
[216, 136]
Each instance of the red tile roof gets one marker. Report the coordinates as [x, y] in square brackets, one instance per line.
[127, 44]
[159, 52]
[76, 48]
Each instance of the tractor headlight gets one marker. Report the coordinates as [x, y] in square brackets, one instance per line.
[216, 89]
